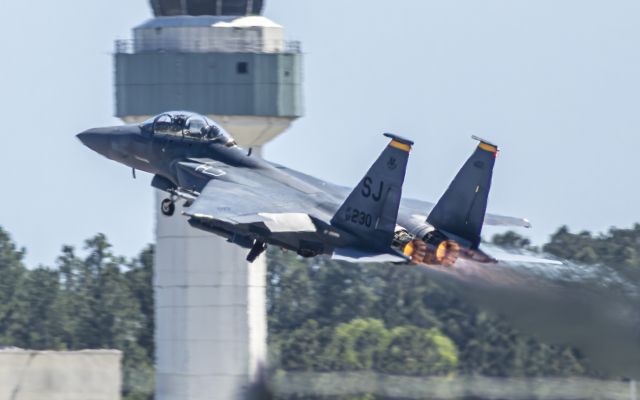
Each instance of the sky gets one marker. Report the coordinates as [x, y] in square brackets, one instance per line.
[554, 83]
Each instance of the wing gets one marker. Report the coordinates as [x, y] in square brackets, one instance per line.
[237, 204]
[423, 208]
[521, 258]
[408, 207]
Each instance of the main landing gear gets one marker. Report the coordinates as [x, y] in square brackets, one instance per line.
[168, 207]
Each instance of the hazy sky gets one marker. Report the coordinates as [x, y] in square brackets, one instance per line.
[555, 83]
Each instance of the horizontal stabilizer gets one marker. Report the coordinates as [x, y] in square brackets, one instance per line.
[521, 258]
[360, 256]
[501, 220]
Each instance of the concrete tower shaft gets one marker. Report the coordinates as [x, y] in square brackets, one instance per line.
[222, 59]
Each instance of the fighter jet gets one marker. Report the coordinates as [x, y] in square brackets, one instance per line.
[254, 203]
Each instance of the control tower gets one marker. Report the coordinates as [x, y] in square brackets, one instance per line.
[220, 58]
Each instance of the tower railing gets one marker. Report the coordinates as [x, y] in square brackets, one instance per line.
[133, 46]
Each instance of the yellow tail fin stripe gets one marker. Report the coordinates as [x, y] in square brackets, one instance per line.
[401, 146]
[488, 147]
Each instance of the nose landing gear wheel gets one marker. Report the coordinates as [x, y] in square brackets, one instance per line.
[168, 207]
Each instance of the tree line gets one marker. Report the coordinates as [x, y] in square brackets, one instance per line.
[323, 315]
[94, 301]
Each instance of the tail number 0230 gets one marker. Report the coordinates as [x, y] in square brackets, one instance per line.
[358, 217]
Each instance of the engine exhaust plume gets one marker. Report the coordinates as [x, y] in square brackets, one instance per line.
[593, 308]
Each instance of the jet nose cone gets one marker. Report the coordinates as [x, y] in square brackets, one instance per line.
[96, 140]
[84, 137]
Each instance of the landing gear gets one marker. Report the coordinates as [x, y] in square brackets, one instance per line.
[258, 248]
[307, 253]
[168, 207]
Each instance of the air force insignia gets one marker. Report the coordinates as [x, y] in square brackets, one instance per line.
[392, 163]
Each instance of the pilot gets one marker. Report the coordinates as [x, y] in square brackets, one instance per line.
[211, 132]
[179, 121]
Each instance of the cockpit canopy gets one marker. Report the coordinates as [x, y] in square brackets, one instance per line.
[187, 125]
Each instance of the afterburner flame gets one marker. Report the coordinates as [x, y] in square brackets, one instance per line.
[444, 253]
[447, 252]
[416, 250]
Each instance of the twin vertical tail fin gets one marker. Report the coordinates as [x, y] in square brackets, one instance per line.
[371, 210]
[460, 211]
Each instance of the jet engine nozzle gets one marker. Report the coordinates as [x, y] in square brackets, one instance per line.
[431, 250]
[416, 249]
[446, 253]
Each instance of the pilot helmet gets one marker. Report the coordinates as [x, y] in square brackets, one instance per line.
[213, 132]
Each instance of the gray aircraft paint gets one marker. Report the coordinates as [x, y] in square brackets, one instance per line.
[371, 210]
[251, 202]
[461, 209]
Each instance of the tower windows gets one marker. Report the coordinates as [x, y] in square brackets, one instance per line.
[242, 67]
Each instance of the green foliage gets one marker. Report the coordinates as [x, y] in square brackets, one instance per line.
[366, 344]
[421, 352]
[357, 345]
[618, 248]
[303, 349]
[139, 279]
[33, 305]
[323, 315]
[511, 240]
[100, 301]
[12, 272]
[328, 316]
